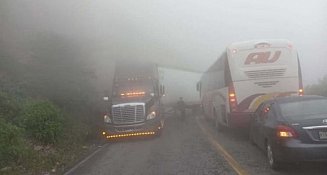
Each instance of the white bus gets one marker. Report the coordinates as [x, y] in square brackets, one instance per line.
[244, 76]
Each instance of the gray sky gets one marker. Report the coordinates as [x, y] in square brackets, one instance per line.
[183, 32]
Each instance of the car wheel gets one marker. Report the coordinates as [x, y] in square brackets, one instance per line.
[273, 163]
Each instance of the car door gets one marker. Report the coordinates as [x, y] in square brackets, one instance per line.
[262, 125]
[269, 128]
[255, 124]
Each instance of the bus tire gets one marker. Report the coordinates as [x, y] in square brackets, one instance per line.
[218, 125]
[202, 110]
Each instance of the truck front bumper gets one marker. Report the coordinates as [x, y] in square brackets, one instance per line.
[149, 127]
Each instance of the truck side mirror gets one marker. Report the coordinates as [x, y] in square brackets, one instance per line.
[105, 98]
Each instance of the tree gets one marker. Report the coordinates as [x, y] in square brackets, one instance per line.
[318, 89]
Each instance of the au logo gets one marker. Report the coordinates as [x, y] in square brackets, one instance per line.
[262, 57]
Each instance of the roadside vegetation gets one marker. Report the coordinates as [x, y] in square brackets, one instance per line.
[319, 88]
[48, 109]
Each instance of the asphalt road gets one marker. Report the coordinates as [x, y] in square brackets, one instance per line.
[186, 147]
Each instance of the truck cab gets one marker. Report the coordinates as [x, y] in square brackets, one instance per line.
[134, 108]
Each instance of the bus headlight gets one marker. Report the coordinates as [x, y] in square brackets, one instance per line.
[106, 119]
[152, 115]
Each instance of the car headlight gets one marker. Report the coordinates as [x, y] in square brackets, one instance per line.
[152, 115]
[106, 119]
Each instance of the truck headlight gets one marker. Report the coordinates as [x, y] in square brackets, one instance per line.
[152, 115]
[106, 119]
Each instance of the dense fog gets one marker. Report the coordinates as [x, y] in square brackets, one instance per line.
[183, 34]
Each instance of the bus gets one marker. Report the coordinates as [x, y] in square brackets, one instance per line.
[245, 75]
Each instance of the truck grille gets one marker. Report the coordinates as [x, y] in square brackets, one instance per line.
[128, 114]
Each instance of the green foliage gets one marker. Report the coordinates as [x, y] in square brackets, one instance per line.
[43, 121]
[11, 147]
[9, 107]
[318, 89]
[53, 68]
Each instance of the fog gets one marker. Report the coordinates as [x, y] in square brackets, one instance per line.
[186, 34]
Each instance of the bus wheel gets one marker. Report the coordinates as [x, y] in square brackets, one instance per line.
[218, 125]
[202, 110]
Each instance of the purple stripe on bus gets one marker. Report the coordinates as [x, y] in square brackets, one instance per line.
[244, 105]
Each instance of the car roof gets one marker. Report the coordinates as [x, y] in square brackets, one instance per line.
[296, 98]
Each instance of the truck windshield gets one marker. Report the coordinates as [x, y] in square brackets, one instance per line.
[132, 88]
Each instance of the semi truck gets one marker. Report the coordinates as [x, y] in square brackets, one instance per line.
[134, 106]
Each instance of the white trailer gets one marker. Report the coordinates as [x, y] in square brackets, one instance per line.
[179, 82]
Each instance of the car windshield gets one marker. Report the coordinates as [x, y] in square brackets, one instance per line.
[307, 109]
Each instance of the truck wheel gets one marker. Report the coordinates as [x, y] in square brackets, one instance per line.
[159, 132]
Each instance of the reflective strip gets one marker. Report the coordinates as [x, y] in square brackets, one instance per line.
[127, 104]
[315, 127]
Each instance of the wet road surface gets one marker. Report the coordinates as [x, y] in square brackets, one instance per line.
[187, 147]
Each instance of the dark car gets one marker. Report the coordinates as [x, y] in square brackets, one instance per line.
[291, 129]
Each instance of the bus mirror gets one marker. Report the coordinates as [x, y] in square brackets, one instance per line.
[105, 98]
[198, 86]
[162, 90]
